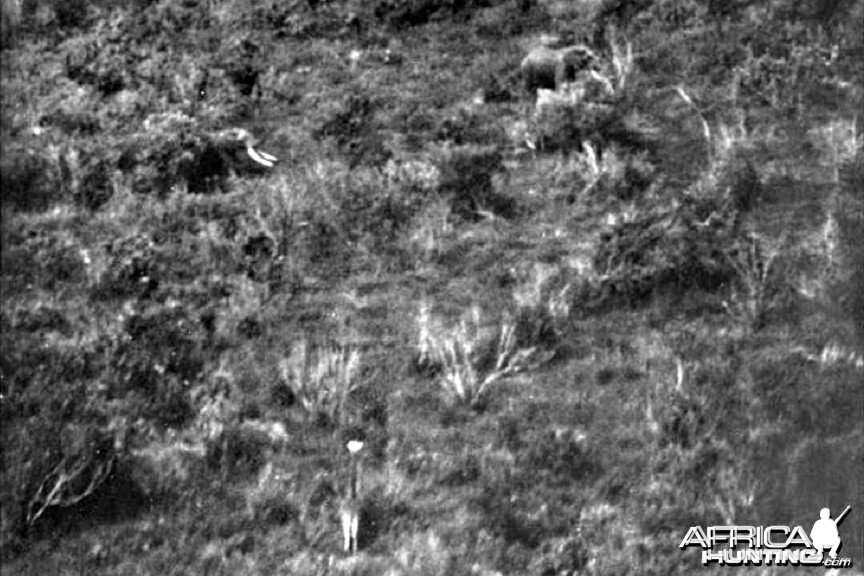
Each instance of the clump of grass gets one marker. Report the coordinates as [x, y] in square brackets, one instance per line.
[266, 502]
[758, 282]
[543, 304]
[238, 450]
[322, 377]
[431, 231]
[467, 180]
[616, 174]
[471, 357]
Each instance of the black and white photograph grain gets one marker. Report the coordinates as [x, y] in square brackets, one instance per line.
[432, 288]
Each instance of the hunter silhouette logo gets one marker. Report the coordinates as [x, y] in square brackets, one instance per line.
[825, 534]
[771, 545]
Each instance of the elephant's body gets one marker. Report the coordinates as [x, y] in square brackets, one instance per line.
[549, 68]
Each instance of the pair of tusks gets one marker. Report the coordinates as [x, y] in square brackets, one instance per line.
[262, 158]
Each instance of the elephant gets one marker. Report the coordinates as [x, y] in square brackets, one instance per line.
[550, 68]
[228, 152]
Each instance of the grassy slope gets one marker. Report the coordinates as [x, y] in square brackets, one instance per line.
[596, 446]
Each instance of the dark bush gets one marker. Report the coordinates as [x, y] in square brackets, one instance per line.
[561, 457]
[259, 254]
[466, 180]
[276, 511]
[242, 66]
[43, 261]
[852, 176]
[31, 180]
[624, 179]
[356, 132]
[399, 14]
[93, 187]
[496, 89]
[48, 466]
[664, 247]
[72, 122]
[536, 327]
[460, 470]
[379, 511]
[133, 271]
[504, 519]
[567, 555]
[567, 127]
[42, 318]
[152, 161]
[849, 292]
[238, 450]
[374, 214]
[70, 13]
[684, 421]
[281, 394]
[466, 126]
[172, 336]
[739, 181]
[104, 66]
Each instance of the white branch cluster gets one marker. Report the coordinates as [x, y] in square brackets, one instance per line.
[462, 352]
[72, 480]
[754, 268]
[322, 379]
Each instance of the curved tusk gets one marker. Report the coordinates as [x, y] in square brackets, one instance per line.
[256, 157]
[266, 156]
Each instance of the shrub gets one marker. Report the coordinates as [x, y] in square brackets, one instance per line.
[32, 180]
[46, 261]
[152, 160]
[356, 132]
[92, 184]
[242, 66]
[567, 126]
[94, 62]
[542, 308]
[759, 281]
[267, 501]
[617, 174]
[677, 246]
[370, 212]
[466, 181]
[466, 126]
[416, 12]
[73, 122]
[495, 88]
[322, 378]
[169, 471]
[49, 466]
[471, 357]
[238, 450]
[70, 13]
[133, 269]
[561, 456]
[568, 555]
[153, 363]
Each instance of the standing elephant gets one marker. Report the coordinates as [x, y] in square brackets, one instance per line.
[549, 68]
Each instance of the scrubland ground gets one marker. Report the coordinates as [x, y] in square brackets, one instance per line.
[564, 336]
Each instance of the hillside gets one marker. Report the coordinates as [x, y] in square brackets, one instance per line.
[570, 311]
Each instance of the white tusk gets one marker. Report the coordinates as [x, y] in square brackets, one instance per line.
[255, 156]
[268, 157]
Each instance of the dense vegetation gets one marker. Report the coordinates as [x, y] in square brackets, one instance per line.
[565, 332]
